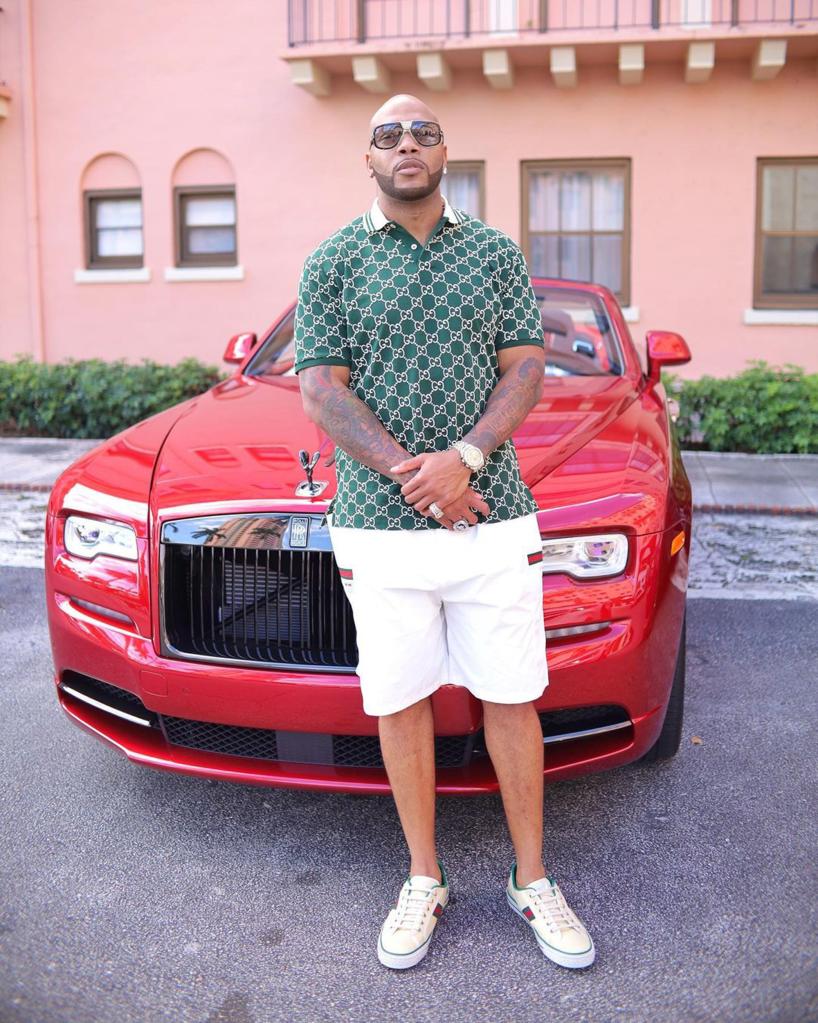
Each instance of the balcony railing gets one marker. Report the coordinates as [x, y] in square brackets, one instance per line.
[360, 21]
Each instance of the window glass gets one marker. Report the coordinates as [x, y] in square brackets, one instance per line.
[544, 201]
[207, 228]
[779, 193]
[211, 239]
[115, 230]
[788, 243]
[462, 189]
[580, 339]
[806, 201]
[119, 243]
[210, 211]
[575, 201]
[119, 213]
[576, 224]
[608, 201]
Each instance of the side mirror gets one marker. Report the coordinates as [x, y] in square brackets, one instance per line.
[665, 349]
[239, 347]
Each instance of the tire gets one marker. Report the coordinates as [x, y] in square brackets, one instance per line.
[670, 738]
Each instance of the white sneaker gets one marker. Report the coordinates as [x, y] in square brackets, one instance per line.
[407, 932]
[559, 932]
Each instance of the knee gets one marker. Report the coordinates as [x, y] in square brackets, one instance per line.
[408, 714]
[507, 711]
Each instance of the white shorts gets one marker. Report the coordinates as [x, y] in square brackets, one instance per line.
[438, 606]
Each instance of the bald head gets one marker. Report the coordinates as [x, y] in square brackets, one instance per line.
[402, 107]
[408, 171]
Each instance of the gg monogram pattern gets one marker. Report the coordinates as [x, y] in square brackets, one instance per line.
[419, 328]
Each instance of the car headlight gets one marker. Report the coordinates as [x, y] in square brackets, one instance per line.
[586, 557]
[88, 537]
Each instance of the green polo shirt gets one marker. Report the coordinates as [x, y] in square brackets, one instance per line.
[419, 328]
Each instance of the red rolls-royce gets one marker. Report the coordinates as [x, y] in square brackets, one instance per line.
[199, 624]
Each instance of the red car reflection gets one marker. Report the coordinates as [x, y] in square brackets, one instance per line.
[197, 618]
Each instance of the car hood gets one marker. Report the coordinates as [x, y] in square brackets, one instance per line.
[239, 445]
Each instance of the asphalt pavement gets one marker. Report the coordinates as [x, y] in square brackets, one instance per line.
[133, 896]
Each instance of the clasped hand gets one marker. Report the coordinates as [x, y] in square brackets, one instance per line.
[441, 477]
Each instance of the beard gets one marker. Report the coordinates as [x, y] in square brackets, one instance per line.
[387, 184]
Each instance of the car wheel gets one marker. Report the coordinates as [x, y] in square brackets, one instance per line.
[671, 735]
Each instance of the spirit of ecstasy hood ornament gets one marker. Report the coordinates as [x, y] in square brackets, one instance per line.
[307, 488]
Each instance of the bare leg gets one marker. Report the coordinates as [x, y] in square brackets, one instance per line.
[408, 749]
[515, 744]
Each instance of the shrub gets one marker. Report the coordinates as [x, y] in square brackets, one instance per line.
[764, 410]
[92, 398]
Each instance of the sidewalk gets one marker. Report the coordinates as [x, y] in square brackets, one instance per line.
[770, 484]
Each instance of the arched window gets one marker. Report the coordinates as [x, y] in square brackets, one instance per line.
[112, 213]
[204, 207]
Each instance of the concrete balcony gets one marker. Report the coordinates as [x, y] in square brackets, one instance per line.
[369, 40]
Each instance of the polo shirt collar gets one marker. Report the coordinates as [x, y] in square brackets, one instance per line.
[375, 218]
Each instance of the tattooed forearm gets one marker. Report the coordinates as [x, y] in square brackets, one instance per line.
[352, 424]
[516, 393]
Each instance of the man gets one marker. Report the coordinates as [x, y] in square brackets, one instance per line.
[420, 350]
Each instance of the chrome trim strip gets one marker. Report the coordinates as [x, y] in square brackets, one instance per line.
[575, 630]
[103, 612]
[585, 732]
[254, 531]
[104, 706]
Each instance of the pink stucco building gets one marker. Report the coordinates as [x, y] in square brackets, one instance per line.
[167, 165]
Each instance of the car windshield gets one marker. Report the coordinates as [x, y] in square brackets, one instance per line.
[580, 339]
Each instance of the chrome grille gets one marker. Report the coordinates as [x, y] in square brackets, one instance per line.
[270, 606]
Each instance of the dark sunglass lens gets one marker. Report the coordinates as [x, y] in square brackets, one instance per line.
[427, 133]
[387, 135]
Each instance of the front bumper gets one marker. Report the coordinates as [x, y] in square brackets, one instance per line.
[627, 664]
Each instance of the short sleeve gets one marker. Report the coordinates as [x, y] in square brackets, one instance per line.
[519, 322]
[320, 326]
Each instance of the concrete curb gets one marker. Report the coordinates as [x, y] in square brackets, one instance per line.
[755, 509]
[38, 488]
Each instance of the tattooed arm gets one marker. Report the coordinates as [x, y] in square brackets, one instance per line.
[522, 371]
[355, 428]
[348, 420]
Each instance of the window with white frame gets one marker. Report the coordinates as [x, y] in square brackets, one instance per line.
[113, 228]
[576, 221]
[786, 251]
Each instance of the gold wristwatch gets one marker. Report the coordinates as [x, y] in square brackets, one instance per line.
[470, 455]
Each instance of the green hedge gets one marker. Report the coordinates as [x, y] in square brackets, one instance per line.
[763, 410]
[92, 398]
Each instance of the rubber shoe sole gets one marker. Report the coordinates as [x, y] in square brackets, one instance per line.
[573, 960]
[403, 960]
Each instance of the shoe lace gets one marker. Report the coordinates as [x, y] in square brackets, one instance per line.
[413, 904]
[557, 912]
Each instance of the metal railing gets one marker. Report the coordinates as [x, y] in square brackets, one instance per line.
[335, 21]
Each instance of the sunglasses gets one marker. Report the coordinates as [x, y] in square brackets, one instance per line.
[387, 136]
